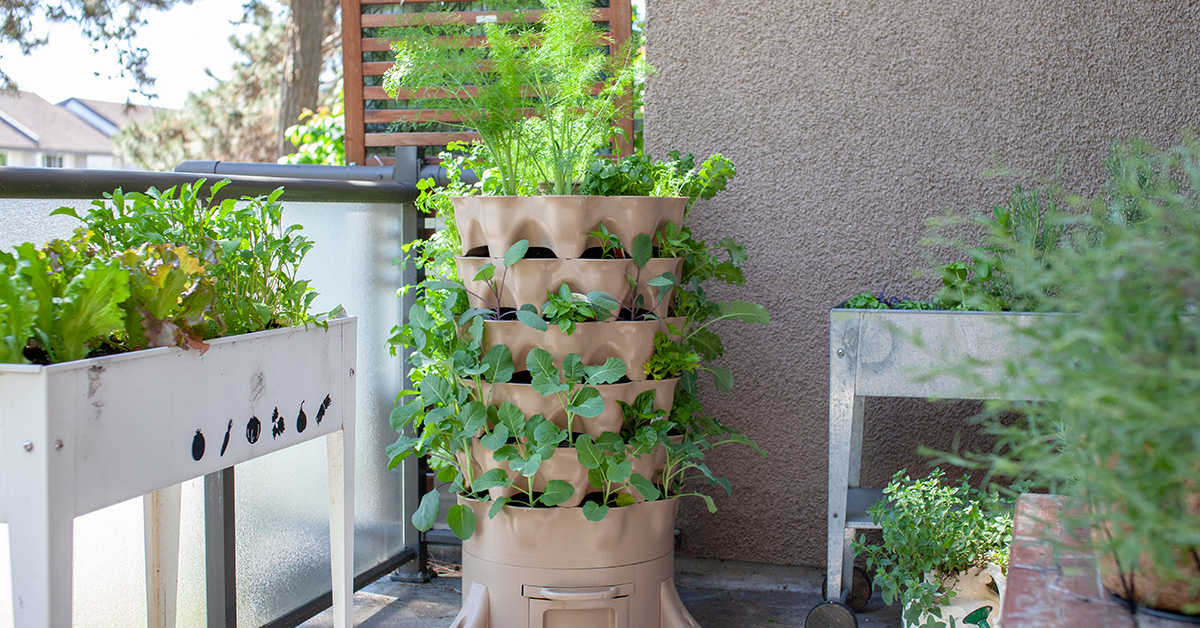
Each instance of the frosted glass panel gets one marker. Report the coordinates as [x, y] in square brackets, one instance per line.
[281, 500]
[109, 576]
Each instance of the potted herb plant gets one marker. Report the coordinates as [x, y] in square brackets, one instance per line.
[944, 553]
[1116, 430]
[167, 339]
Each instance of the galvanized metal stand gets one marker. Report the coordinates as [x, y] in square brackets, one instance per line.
[889, 353]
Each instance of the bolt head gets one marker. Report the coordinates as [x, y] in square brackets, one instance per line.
[841, 353]
[27, 445]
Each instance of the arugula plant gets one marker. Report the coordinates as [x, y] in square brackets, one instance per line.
[931, 526]
[252, 258]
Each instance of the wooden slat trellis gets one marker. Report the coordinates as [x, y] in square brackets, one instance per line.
[367, 57]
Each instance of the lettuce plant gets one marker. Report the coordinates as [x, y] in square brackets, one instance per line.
[153, 270]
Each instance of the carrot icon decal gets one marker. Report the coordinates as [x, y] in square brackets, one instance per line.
[322, 408]
[225, 444]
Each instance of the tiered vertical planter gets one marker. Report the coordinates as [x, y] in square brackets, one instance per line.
[551, 567]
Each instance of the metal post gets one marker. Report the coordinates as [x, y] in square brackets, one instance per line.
[220, 549]
[406, 171]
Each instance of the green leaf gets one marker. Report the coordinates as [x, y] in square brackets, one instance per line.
[437, 391]
[557, 492]
[492, 479]
[516, 252]
[603, 304]
[511, 417]
[586, 403]
[485, 272]
[619, 473]
[706, 343]
[708, 501]
[495, 439]
[528, 314]
[588, 454]
[461, 520]
[447, 474]
[89, 309]
[572, 368]
[594, 512]
[645, 487]
[472, 416]
[625, 499]
[544, 374]
[612, 370]
[746, 312]
[547, 433]
[402, 414]
[427, 512]
[642, 249]
[497, 505]
[722, 378]
[665, 280]
[499, 364]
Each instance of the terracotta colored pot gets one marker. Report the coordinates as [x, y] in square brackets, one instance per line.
[559, 223]
[631, 342]
[529, 280]
[1151, 590]
[610, 420]
[563, 465]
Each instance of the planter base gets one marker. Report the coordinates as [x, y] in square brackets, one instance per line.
[496, 595]
[551, 568]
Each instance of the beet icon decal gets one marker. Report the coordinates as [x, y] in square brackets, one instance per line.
[322, 408]
[225, 444]
[276, 423]
[301, 419]
[253, 427]
[197, 446]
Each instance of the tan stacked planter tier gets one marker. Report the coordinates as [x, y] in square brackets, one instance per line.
[551, 567]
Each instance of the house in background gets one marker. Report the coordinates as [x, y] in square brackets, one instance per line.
[72, 134]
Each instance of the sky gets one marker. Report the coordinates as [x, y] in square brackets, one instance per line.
[67, 67]
[181, 42]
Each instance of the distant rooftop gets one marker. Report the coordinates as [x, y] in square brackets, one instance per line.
[76, 125]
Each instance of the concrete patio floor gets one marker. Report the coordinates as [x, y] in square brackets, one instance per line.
[718, 593]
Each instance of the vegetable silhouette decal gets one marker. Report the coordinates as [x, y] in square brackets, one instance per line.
[322, 408]
[225, 443]
[253, 428]
[198, 446]
[301, 419]
[276, 423]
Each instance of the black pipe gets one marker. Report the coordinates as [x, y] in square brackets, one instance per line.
[18, 182]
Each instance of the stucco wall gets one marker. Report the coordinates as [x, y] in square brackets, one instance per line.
[851, 123]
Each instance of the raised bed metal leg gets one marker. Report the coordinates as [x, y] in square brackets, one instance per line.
[161, 516]
[40, 530]
[845, 414]
[340, 449]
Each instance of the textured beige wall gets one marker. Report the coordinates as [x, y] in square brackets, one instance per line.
[850, 124]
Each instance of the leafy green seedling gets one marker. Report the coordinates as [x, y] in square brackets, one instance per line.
[573, 385]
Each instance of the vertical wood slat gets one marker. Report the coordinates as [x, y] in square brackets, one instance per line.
[352, 81]
[620, 25]
[619, 15]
